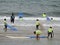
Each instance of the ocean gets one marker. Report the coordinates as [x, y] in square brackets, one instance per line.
[30, 8]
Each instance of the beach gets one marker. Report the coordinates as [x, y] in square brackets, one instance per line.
[26, 28]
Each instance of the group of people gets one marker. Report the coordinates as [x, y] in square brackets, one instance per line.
[12, 18]
[37, 32]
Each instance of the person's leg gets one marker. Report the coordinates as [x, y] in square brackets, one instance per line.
[5, 28]
[51, 35]
[48, 35]
[37, 37]
[12, 20]
[36, 26]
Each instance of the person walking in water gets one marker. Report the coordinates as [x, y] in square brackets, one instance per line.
[50, 32]
[38, 24]
[5, 25]
[44, 15]
[12, 18]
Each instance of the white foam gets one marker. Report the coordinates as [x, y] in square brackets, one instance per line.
[33, 24]
[31, 18]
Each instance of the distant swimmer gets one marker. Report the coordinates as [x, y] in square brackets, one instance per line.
[21, 18]
[38, 24]
[44, 15]
[51, 19]
[12, 18]
[50, 32]
[5, 25]
[37, 33]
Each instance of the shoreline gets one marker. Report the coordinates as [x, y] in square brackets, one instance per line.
[30, 18]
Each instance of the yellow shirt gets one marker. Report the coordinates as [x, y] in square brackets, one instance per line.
[44, 15]
[38, 32]
[37, 23]
[50, 30]
[5, 23]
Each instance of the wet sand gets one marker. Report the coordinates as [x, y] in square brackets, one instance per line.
[26, 30]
